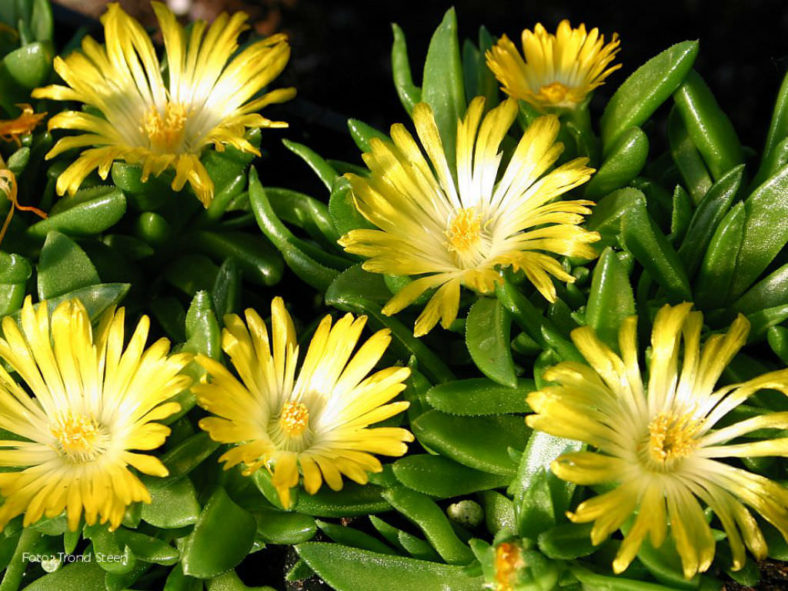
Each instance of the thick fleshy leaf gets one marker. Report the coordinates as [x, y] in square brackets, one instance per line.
[221, 539]
[443, 88]
[63, 267]
[718, 270]
[645, 90]
[765, 230]
[708, 126]
[624, 162]
[442, 478]
[279, 527]
[487, 331]
[88, 212]
[610, 300]
[351, 569]
[479, 396]
[646, 242]
[707, 216]
[477, 442]
[173, 503]
[432, 521]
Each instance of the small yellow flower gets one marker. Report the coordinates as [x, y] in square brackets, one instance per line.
[658, 441]
[317, 420]
[456, 225]
[208, 97]
[559, 70]
[92, 403]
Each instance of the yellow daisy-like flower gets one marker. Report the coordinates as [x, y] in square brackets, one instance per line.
[317, 420]
[457, 225]
[659, 443]
[559, 70]
[92, 404]
[208, 97]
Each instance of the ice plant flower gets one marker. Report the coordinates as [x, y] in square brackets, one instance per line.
[93, 403]
[455, 226]
[316, 419]
[559, 70]
[208, 98]
[661, 442]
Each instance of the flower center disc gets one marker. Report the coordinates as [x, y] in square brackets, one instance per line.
[165, 133]
[671, 437]
[464, 231]
[294, 419]
[79, 438]
[555, 92]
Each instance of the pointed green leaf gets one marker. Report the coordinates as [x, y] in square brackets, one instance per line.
[487, 338]
[443, 87]
[477, 442]
[610, 300]
[708, 126]
[479, 396]
[645, 90]
[222, 537]
[63, 267]
[351, 569]
[765, 230]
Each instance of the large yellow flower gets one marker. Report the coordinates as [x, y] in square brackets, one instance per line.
[659, 442]
[208, 97]
[559, 70]
[92, 404]
[318, 420]
[455, 226]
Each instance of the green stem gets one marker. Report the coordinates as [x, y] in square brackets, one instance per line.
[16, 568]
[579, 125]
[534, 323]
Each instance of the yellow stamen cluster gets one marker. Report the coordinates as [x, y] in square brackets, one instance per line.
[165, 133]
[555, 92]
[465, 230]
[79, 437]
[294, 419]
[671, 437]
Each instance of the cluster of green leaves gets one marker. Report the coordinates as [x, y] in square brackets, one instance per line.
[703, 222]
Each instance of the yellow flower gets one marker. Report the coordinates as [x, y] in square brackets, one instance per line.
[317, 420]
[208, 97]
[659, 443]
[456, 225]
[559, 70]
[93, 403]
